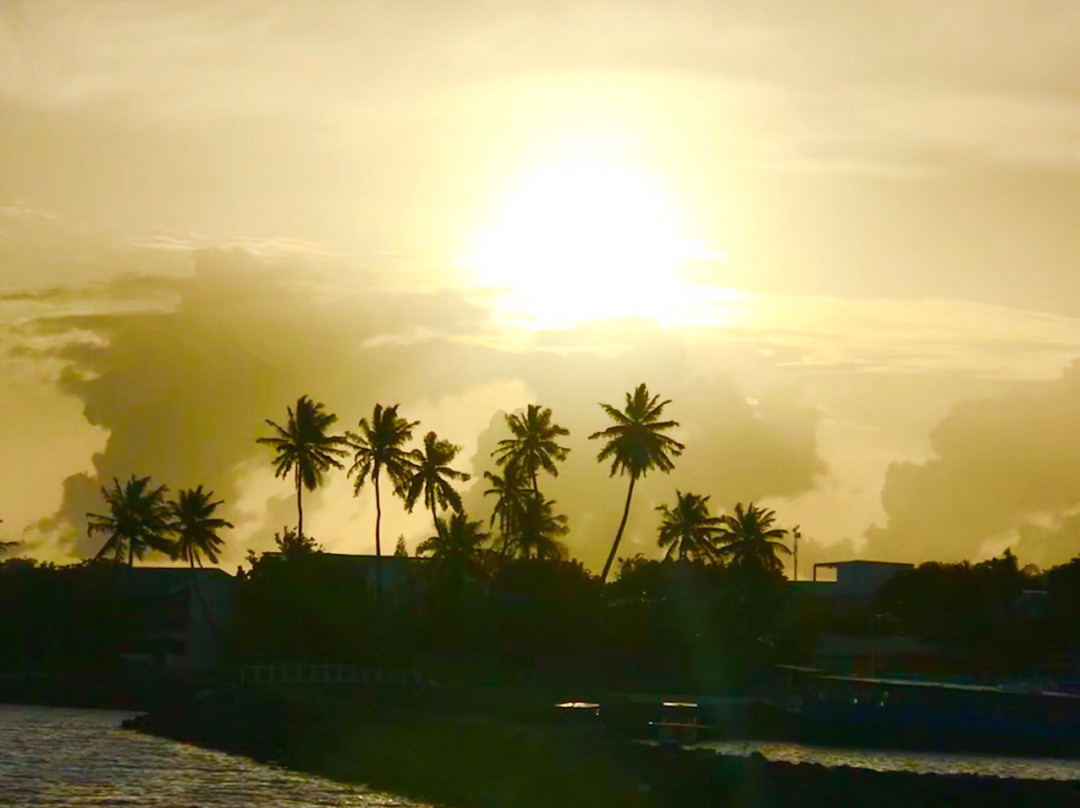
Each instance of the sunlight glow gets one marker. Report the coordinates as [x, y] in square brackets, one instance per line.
[583, 238]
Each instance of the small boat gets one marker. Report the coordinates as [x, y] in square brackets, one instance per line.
[679, 723]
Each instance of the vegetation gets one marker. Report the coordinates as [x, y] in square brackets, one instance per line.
[196, 527]
[432, 478]
[380, 446]
[710, 610]
[749, 538]
[304, 449]
[687, 530]
[635, 445]
[533, 445]
[139, 519]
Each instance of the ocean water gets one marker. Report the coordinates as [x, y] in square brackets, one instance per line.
[1021, 768]
[65, 757]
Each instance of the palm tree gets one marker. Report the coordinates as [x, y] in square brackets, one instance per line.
[457, 545]
[378, 446]
[540, 530]
[687, 530]
[533, 445]
[304, 449]
[512, 495]
[431, 476]
[749, 538]
[139, 519]
[196, 526]
[636, 445]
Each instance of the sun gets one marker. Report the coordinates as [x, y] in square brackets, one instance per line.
[580, 238]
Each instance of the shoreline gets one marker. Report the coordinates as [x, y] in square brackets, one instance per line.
[464, 759]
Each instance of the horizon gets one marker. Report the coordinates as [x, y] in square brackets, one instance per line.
[842, 243]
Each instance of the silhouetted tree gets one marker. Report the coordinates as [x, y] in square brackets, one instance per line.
[139, 519]
[196, 527]
[534, 444]
[748, 538]
[400, 550]
[540, 529]
[635, 445]
[457, 544]
[511, 494]
[302, 447]
[379, 446]
[688, 531]
[431, 477]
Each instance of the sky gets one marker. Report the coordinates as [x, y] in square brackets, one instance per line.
[840, 238]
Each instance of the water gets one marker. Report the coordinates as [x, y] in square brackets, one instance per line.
[62, 757]
[890, 760]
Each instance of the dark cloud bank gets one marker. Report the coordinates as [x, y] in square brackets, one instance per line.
[184, 394]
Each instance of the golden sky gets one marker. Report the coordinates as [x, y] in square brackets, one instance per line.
[841, 237]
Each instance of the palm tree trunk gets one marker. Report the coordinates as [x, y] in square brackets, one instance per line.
[299, 505]
[131, 553]
[378, 546]
[434, 516]
[618, 535]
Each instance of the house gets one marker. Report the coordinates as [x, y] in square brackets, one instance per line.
[176, 618]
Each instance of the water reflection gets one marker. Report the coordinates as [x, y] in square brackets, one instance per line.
[887, 760]
[60, 757]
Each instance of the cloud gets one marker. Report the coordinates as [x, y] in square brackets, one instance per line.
[998, 463]
[182, 394]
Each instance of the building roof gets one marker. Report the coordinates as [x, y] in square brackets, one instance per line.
[142, 581]
[863, 561]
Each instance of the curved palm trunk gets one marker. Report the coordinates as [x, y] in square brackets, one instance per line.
[378, 546]
[131, 553]
[618, 535]
[299, 505]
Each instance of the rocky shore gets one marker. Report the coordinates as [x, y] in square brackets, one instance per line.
[461, 758]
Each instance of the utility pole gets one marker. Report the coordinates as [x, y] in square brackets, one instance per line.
[795, 560]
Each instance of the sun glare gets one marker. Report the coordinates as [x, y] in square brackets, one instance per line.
[583, 238]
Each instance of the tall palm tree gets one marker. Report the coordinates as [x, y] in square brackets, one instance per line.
[534, 444]
[687, 530]
[457, 544]
[379, 446]
[540, 529]
[196, 526]
[303, 448]
[749, 538]
[511, 494]
[431, 476]
[139, 519]
[636, 445]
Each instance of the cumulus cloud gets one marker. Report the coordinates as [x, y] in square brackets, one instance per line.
[998, 465]
[182, 394]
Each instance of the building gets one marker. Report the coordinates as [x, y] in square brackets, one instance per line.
[176, 618]
[860, 579]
